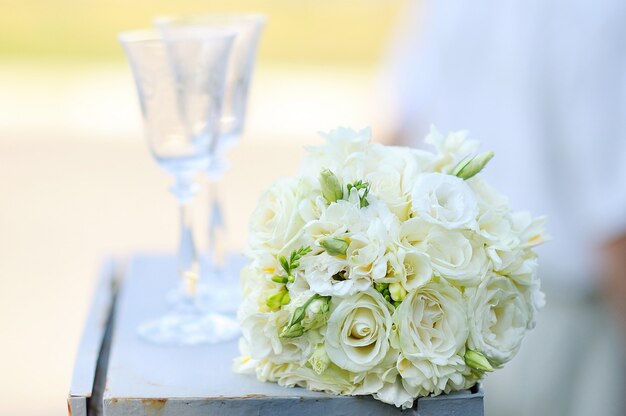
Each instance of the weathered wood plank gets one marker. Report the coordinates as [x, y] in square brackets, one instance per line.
[81, 389]
[146, 379]
[461, 403]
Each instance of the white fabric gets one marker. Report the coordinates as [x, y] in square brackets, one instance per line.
[543, 84]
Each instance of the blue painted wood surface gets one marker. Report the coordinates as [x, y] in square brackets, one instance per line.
[83, 377]
[147, 379]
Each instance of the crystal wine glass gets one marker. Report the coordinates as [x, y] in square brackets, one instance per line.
[248, 28]
[180, 81]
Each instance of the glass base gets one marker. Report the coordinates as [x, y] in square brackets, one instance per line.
[218, 289]
[180, 328]
[208, 298]
[207, 317]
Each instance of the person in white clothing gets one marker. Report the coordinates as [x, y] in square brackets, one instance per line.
[543, 85]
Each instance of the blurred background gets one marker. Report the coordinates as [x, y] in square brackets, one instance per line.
[77, 183]
[543, 83]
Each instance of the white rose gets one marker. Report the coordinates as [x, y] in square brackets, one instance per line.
[393, 390]
[430, 331]
[499, 315]
[424, 378]
[357, 333]
[386, 183]
[392, 178]
[444, 200]
[268, 370]
[276, 223]
[431, 324]
[333, 380]
[455, 257]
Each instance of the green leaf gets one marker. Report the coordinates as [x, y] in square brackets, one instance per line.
[301, 252]
[285, 264]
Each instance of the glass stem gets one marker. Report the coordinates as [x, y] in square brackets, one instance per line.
[217, 227]
[188, 266]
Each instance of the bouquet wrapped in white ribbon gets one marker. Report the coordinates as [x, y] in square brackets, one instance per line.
[387, 271]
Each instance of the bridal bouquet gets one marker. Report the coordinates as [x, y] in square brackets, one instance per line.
[387, 271]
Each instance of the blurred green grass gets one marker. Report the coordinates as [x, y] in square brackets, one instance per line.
[352, 32]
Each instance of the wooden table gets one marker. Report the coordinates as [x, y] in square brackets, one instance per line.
[117, 373]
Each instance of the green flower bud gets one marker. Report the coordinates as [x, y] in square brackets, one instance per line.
[274, 301]
[296, 326]
[319, 360]
[279, 279]
[477, 361]
[397, 292]
[292, 331]
[331, 188]
[298, 315]
[326, 305]
[469, 167]
[380, 287]
[285, 299]
[317, 314]
[334, 246]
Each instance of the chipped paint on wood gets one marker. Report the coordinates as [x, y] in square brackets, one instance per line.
[76, 406]
[153, 406]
